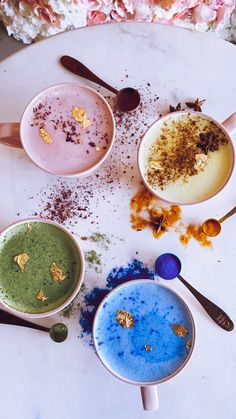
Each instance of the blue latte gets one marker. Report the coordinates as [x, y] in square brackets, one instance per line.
[150, 350]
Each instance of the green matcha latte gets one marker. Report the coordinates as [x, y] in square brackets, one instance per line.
[40, 267]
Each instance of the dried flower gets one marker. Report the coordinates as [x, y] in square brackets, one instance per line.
[157, 221]
[208, 142]
[196, 106]
[29, 227]
[174, 109]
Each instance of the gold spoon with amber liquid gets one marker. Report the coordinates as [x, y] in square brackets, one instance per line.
[212, 227]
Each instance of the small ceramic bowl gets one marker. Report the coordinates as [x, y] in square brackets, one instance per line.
[22, 297]
[227, 127]
[65, 147]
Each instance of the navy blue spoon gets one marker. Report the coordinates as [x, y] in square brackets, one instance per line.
[168, 266]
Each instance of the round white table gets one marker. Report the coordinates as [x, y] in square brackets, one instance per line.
[44, 380]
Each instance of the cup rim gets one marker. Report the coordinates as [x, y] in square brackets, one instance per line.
[80, 276]
[110, 145]
[145, 383]
[142, 142]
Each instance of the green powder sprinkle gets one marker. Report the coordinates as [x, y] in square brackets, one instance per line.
[101, 239]
[93, 260]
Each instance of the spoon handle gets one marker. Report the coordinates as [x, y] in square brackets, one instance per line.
[8, 318]
[215, 312]
[81, 70]
[10, 134]
[232, 212]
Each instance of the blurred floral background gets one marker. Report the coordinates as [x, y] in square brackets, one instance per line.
[31, 20]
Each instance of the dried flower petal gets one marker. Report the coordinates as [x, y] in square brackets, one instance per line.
[45, 136]
[21, 260]
[41, 296]
[179, 330]
[80, 115]
[125, 318]
[98, 148]
[56, 272]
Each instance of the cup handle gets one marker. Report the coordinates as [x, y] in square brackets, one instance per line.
[150, 398]
[230, 123]
[10, 134]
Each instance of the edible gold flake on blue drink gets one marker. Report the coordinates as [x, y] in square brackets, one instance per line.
[179, 330]
[148, 348]
[188, 344]
[125, 319]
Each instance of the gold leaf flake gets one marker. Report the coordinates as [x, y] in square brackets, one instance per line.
[41, 296]
[125, 318]
[148, 348]
[45, 136]
[98, 148]
[179, 330]
[188, 344]
[29, 226]
[56, 272]
[85, 122]
[201, 162]
[21, 260]
[80, 115]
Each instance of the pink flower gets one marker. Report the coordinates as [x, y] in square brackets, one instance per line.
[203, 14]
[95, 17]
[44, 12]
[223, 14]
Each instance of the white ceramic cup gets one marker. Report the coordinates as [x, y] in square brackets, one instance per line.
[228, 127]
[16, 134]
[79, 251]
[148, 389]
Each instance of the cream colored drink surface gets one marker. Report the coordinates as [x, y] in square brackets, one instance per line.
[188, 158]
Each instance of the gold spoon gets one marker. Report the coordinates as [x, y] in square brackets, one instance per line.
[212, 227]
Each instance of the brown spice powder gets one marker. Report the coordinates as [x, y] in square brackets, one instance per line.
[173, 155]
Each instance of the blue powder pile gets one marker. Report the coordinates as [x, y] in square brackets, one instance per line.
[134, 270]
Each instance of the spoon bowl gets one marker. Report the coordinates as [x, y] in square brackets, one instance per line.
[211, 227]
[128, 98]
[168, 266]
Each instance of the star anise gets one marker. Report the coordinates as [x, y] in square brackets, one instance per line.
[174, 109]
[208, 142]
[196, 106]
[158, 223]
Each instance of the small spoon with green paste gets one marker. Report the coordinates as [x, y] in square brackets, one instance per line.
[57, 332]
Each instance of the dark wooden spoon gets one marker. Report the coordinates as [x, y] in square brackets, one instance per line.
[128, 99]
[58, 332]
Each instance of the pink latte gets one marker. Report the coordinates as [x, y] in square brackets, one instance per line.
[67, 129]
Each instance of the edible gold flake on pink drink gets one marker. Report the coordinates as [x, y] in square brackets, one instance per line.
[45, 136]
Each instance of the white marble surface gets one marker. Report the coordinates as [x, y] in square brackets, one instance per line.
[42, 380]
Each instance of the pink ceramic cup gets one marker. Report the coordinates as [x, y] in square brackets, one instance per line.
[74, 150]
[228, 127]
[148, 390]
